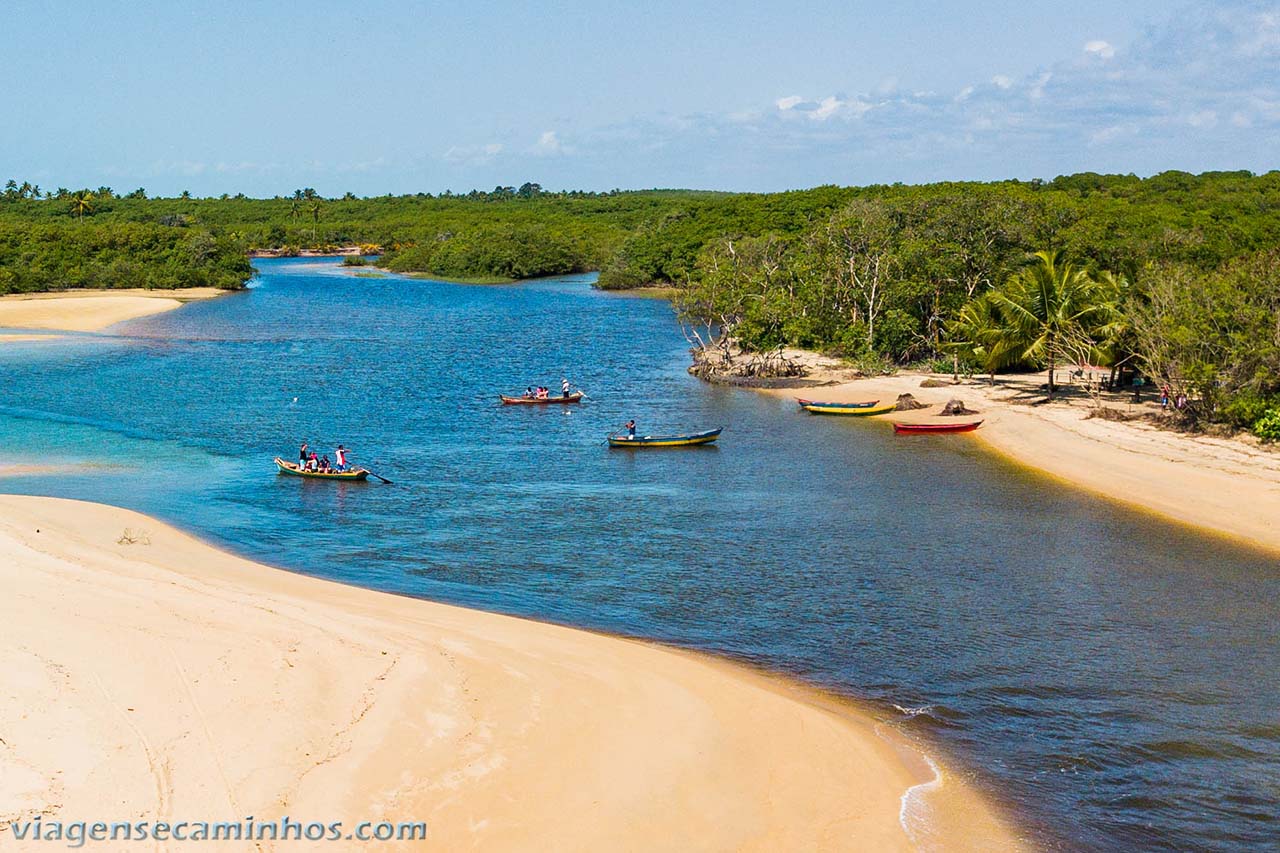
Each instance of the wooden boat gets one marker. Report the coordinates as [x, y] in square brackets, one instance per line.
[666, 440]
[575, 397]
[864, 405]
[919, 429]
[292, 469]
[854, 409]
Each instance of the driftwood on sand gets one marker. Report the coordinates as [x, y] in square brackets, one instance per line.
[725, 363]
[957, 407]
[935, 383]
[908, 403]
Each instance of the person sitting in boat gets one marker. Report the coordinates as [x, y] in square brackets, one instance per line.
[564, 387]
[326, 467]
[631, 428]
[528, 392]
[341, 456]
[313, 461]
[542, 392]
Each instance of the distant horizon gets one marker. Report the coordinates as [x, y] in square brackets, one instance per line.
[250, 98]
[120, 193]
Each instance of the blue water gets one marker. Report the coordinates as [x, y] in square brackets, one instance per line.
[1111, 678]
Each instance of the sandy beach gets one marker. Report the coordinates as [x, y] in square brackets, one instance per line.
[89, 310]
[153, 677]
[1226, 486]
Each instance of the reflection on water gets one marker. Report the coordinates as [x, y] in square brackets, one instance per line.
[1112, 677]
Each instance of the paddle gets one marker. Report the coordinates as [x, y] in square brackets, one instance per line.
[380, 477]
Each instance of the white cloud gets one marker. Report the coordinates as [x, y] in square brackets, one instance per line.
[473, 155]
[1203, 118]
[548, 144]
[822, 109]
[1197, 92]
[1100, 48]
[1037, 89]
[826, 108]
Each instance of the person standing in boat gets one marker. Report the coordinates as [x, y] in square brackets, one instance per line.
[631, 428]
[564, 387]
[341, 456]
[302, 457]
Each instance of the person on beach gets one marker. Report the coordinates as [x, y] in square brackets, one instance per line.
[564, 386]
[341, 455]
[1164, 396]
[631, 428]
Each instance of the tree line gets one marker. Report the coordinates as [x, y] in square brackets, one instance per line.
[1172, 275]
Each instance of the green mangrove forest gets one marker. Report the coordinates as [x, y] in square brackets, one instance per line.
[1175, 277]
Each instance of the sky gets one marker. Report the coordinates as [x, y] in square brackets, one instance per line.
[392, 96]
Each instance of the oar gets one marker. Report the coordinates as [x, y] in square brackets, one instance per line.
[380, 477]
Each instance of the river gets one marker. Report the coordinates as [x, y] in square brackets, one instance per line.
[1109, 678]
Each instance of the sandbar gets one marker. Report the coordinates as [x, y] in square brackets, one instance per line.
[90, 310]
[151, 676]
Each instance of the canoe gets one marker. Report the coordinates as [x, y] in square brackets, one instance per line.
[666, 440]
[291, 468]
[814, 403]
[854, 409]
[965, 426]
[575, 397]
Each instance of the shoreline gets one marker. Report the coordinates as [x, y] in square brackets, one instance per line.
[1222, 487]
[89, 310]
[229, 678]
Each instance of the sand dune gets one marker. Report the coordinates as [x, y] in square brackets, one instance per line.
[151, 677]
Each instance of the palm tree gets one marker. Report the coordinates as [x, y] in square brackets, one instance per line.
[1051, 312]
[81, 203]
[977, 335]
[314, 210]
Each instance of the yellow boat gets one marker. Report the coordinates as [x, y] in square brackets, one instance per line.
[836, 409]
[356, 474]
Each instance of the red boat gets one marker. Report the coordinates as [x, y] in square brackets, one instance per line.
[965, 426]
[575, 397]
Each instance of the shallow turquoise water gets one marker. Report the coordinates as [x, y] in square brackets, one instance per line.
[1111, 677]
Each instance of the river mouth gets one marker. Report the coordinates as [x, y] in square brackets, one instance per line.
[1111, 679]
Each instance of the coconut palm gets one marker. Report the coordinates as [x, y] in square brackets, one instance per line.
[81, 203]
[976, 335]
[314, 210]
[1053, 312]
